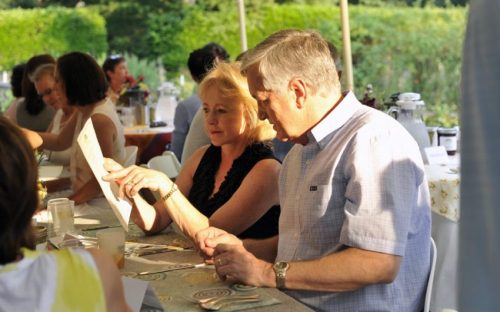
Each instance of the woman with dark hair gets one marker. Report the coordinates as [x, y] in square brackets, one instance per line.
[80, 82]
[33, 113]
[44, 280]
[115, 68]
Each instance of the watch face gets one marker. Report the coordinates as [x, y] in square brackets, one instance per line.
[281, 265]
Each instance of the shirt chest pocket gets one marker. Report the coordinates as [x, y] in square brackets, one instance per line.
[316, 198]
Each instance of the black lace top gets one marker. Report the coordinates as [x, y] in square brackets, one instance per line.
[204, 181]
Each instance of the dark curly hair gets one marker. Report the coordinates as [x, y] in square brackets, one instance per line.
[83, 79]
[18, 191]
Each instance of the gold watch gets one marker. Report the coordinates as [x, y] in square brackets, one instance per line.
[280, 269]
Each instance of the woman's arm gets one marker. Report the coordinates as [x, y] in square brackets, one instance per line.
[111, 282]
[150, 218]
[106, 134]
[239, 213]
[257, 193]
[63, 140]
[153, 218]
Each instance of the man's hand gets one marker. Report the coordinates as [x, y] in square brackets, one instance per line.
[206, 240]
[235, 264]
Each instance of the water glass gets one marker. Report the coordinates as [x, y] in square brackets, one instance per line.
[112, 241]
[61, 212]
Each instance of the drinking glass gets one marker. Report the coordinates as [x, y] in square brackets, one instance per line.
[112, 241]
[61, 214]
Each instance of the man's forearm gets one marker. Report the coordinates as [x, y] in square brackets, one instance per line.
[346, 270]
[264, 249]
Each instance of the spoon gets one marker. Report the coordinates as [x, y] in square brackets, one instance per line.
[218, 303]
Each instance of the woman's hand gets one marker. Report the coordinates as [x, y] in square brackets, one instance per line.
[134, 178]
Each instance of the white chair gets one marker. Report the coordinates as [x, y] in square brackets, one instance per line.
[130, 155]
[430, 281]
[175, 160]
[166, 163]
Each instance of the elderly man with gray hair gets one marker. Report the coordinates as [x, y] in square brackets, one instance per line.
[354, 232]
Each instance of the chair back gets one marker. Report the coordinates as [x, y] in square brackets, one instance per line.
[130, 155]
[430, 281]
[166, 163]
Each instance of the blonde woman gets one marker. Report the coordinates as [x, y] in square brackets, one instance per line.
[231, 183]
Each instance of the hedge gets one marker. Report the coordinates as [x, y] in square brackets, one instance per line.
[394, 49]
[24, 33]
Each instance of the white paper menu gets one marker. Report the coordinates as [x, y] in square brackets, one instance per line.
[87, 140]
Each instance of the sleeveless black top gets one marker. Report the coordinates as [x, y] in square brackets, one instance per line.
[204, 181]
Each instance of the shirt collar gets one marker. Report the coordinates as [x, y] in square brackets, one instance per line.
[334, 119]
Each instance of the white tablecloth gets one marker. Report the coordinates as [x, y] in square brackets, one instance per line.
[444, 187]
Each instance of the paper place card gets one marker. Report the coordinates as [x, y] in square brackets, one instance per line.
[138, 292]
[436, 155]
[87, 140]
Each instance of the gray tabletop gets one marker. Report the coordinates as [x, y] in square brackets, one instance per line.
[178, 289]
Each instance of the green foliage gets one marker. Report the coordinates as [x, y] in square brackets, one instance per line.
[24, 33]
[400, 50]
[142, 67]
[394, 49]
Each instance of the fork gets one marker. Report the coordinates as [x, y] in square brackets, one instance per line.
[218, 303]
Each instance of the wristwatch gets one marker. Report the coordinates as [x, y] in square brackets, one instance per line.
[280, 269]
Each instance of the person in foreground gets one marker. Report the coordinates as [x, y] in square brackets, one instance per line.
[219, 184]
[80, 83]
[62, 280]
[354, 231]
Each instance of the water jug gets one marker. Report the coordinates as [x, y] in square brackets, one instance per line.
[165, 109]
[408, 111]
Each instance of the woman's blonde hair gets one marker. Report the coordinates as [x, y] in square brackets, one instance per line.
[232, 85]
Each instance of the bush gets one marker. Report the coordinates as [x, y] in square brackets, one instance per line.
[24, 33]
[394, 49]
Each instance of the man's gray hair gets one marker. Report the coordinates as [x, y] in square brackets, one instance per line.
[293, 53]
[41, 71]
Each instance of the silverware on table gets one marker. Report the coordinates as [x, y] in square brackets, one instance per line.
[102, 227]
[215, 304]
[174, 267]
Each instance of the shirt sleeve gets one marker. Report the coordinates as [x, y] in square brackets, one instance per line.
[384, 176]
[181, 128]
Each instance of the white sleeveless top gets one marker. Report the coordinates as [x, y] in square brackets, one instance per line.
[61, 280]
[80, 170]
[61, 157]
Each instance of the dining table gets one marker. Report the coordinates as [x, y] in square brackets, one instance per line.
[444, 188]
[178, 275]
[150, 141]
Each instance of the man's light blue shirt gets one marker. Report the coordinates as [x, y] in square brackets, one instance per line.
[358, 182]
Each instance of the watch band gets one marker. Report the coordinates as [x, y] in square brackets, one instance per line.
[280, 269]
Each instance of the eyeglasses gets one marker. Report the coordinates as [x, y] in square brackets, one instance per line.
[47, 92]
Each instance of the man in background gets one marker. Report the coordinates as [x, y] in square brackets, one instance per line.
[200, 62]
